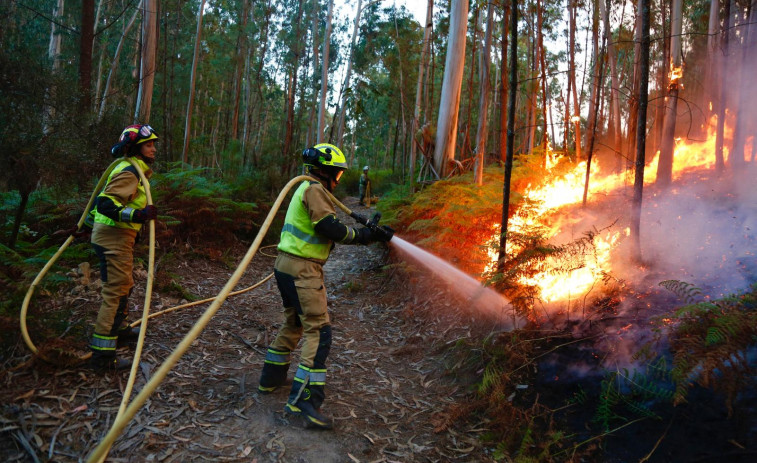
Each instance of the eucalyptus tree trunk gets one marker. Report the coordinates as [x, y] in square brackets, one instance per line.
[483, 102]
[633, 101]
[324, 77]
[510, 149]
[641, 129]
[711, 84]
[747, 92]
[402, 91]
[543, 66]
[190, 102]
[239, 64]
[312, 127]
[422, 65]
[449, 105]
[665, 164]
[615, 95]
[477, 26]
[147, 67]
[114, 63]
[504, 93]
[87, 35]
[53, 53]
[572, 56]
[595, 83]
[348, 75]
[291, 95]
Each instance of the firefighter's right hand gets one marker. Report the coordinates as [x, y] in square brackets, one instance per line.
[150, 212]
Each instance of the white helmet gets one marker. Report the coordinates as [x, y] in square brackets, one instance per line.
[365, 168]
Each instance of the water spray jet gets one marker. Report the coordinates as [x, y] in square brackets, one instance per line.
[482, 300]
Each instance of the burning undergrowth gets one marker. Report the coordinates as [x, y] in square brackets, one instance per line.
[632, 348]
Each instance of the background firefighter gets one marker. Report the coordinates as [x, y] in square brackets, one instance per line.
[364, 186]
[310, 231]
[116, 218]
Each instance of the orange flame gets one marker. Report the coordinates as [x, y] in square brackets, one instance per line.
[547, 200]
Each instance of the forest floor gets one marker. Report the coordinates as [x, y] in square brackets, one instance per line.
[385, 390]
[388, 389]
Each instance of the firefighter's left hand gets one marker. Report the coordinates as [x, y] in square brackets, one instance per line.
[383, 233]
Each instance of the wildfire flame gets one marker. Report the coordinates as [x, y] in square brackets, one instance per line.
[547, 200]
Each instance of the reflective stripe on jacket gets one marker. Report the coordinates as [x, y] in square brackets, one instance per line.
[138, 199]
[298, 236]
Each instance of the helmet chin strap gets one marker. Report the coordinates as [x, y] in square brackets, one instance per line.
[325, 179]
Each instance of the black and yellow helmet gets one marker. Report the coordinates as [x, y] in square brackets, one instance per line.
[324, 155]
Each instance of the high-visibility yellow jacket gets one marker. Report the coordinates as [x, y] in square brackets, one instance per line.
[122, 196]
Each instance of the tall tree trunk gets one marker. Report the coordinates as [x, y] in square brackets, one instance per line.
[593, 129]
[543, 66]
[239, 64]
[87, 36]
[483, 102]
[712, 80]
[190, 102]
[576, 102]
[665, 164]
[291, 97]
[114, 63]
[746, 91]
[348, 75]
[312, 128]
[466, 148]
[422, 66]
[615, 96]
[510, 135]
[449, 105]
[662, 77]
[324, 76]
[53, 53]
[504, 93]
[641, 130]
[633, 102]
[147, 66]
[591, 121]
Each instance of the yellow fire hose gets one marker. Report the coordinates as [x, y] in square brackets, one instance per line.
[100, 452]
[125, 414]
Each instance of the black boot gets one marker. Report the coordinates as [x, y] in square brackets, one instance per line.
[312, 415]
[274, 372]
[127, 335]
[103, 363]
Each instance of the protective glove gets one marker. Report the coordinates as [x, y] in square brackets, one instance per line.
[144, 215]
[383, 233]
[364, 236]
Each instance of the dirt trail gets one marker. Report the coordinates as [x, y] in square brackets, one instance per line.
[385, 389]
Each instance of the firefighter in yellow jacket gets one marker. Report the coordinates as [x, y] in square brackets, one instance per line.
[310, 231]
[119, 212]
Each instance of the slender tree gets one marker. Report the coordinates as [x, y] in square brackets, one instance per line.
[422, 65]
[641, 130]
[190, 101]
[665, 164]
[483, 102]
[449, 105]
[147, 66]
[324, 77]
[510, 134]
